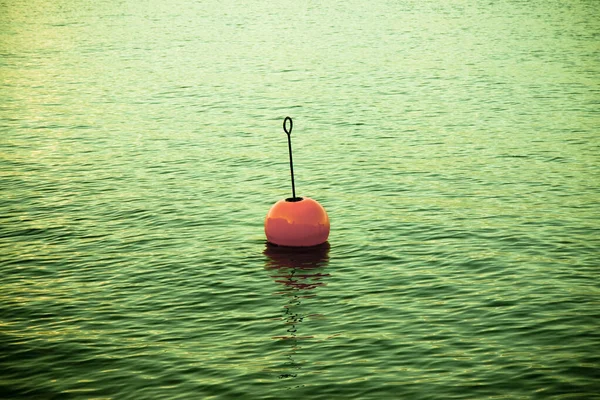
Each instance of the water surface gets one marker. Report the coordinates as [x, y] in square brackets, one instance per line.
[454, 145]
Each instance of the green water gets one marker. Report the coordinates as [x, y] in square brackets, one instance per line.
[453, 143]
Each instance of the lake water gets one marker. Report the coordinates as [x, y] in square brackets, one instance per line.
[454, 144]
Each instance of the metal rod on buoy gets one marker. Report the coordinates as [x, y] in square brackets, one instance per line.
[289, 136]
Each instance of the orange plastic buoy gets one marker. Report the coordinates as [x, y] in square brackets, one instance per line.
[296, 221]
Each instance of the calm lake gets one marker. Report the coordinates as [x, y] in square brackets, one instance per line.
[454, 144]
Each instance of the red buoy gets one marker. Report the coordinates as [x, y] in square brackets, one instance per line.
[296, 221]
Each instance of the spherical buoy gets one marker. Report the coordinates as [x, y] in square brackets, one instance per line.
[297, 222]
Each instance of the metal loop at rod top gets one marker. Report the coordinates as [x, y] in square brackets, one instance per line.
[289, 132]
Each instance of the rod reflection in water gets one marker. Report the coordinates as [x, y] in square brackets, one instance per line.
[300, 271]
